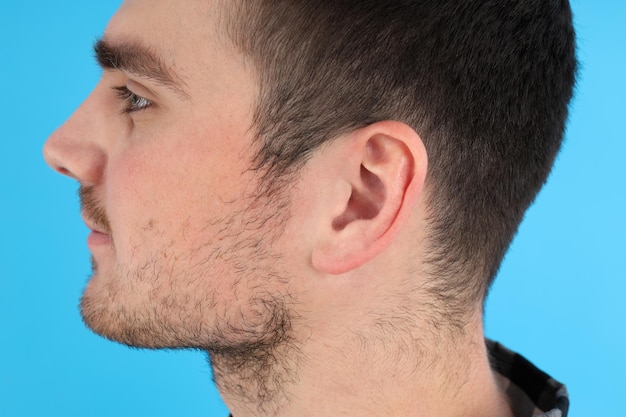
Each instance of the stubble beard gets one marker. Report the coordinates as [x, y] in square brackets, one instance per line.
[250, 342]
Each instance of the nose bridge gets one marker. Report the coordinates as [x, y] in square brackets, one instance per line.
[77, 148]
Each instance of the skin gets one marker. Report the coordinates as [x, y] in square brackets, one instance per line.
[167, 214]
[311, 293]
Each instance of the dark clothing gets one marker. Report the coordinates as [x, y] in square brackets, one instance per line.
[531, 392]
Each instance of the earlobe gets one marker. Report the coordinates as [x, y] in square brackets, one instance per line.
[386, 169]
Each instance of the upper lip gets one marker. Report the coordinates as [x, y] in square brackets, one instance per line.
[93, 225]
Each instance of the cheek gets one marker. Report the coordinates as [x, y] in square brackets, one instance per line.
[145, 203]
[158, 203]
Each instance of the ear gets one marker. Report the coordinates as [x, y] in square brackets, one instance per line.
[376, 176]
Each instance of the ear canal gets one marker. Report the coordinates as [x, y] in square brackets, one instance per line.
[365, 202]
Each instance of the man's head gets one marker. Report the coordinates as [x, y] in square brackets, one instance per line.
[485, 85]
[236, 155]
[182, 246]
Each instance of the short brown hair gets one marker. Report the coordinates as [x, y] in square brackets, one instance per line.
[486, 84]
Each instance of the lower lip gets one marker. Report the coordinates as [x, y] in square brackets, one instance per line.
[98, 239]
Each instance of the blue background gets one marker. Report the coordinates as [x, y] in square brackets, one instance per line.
[559, 298]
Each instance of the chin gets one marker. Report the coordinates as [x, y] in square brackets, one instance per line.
[181, 320]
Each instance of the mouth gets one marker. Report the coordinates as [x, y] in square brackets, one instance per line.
[98, 236]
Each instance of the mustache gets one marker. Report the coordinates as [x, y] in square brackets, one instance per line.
[92, 209]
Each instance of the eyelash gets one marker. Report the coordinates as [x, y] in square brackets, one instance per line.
[133, 102]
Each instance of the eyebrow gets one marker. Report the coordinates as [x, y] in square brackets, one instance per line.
[137, 59]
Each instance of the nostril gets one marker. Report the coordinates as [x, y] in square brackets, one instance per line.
[57, 157]
[80, 159]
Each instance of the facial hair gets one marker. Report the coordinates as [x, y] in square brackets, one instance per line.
[180, 308]
[96, 214]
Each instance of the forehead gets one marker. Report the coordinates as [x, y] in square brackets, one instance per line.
[168, 19]
[187, 36]
[183, 32]
[195, 14]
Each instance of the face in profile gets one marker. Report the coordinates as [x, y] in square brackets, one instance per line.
[185, 251]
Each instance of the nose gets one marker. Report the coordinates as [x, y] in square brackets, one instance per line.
[76, 149]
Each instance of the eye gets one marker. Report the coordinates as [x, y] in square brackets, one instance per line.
[132, 102]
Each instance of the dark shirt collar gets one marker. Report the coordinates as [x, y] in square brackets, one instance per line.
[531, 392]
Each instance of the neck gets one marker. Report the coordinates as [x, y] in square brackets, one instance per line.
[256, 380]
[347, 372]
